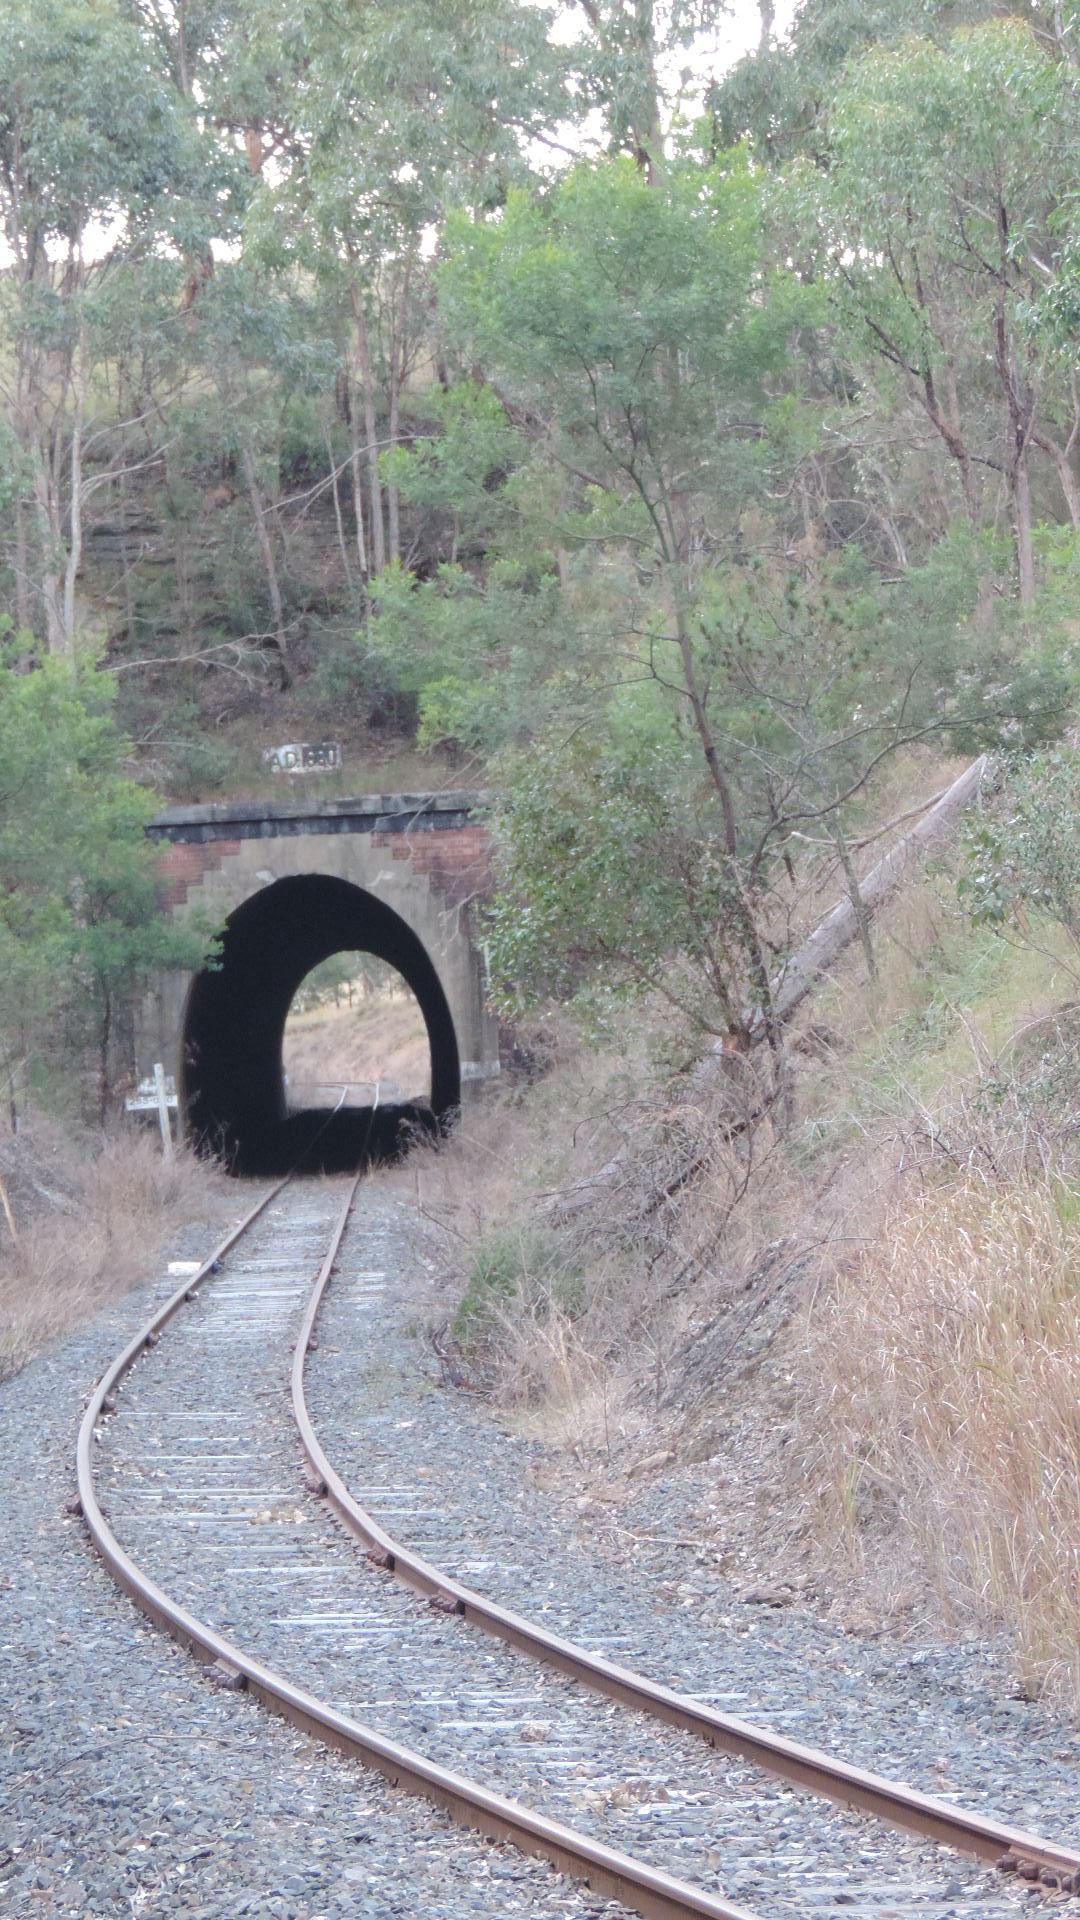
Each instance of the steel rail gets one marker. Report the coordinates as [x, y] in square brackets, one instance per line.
[1008, 1848]
[647, 1890]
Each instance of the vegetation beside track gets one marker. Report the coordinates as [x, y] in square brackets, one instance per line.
[695, 460]
[86, 1218]
[860, 1314]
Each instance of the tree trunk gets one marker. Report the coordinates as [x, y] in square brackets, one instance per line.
[800, 974]
[371, 435]
[50, 547]
[338, 522]
[127, 562]
[182, 575]
[840, 927]
[266, 548]
[1020, 488]
[43, 378]
[957, 444]
[75, 507]
[1020, 410]
[393, 504]
[52, 595]
[639, 113]
[358, 496]
[104, 1037]
[182, 72]
[748, 928]
[397, 376]
[647, 128]
[22, 575]
[855, 895]
[1063, 466]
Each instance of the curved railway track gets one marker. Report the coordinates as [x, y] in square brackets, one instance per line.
[258, 1287]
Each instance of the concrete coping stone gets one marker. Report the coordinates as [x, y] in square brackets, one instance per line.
[396, 807]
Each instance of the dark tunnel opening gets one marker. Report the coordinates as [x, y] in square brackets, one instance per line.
[232, 1087]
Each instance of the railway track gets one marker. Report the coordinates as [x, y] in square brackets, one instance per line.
[196, 1467]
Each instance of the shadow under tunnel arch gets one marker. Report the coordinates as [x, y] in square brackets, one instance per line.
[232, 1087]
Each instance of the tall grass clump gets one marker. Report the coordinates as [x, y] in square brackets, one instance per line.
[947, 1357]
[91, 1219]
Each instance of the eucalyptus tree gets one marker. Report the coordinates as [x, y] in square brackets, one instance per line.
[714, 682]
[938, 236]
[631, 326]
[778, 96]
[261, 348]
[100, 166]
[389, 114]
[79, 928]
[642, 325]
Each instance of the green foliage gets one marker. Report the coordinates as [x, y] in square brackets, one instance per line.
[1024, 854]
[774, 96]
[482, 654]
[615, 881]
[79, 929]
[733, 700]
[460, 468]
[982, 681]
[83, 123]
[513, 1268]
[393, 111]
[642, 317]
[943, 297]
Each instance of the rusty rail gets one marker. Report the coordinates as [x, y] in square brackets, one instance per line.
[645, 1889]
[995, 1841]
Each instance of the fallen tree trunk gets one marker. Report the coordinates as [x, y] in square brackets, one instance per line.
[804, 968]
[796, 979]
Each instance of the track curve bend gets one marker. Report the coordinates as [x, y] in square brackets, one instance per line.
[261, 1292]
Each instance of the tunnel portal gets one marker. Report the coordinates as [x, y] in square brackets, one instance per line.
[232, 1089]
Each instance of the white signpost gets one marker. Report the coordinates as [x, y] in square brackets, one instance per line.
[322, 756]
[156, 1096]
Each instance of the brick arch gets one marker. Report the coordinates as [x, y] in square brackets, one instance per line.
[424, 857]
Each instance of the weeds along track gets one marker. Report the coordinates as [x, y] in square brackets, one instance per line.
[655, 1800]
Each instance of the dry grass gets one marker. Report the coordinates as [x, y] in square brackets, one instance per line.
[547, 1321]
[945, 1361]
[888, 1287]
[92, 1220]
[574, 1320]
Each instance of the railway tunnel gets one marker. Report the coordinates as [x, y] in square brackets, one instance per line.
[291, 882]
[232, 1087]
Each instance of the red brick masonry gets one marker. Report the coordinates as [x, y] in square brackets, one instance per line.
[457, 860]
[183, 864]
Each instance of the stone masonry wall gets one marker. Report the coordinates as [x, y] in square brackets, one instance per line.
[430, 869]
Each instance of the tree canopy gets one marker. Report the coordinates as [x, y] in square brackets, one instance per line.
[664, 440]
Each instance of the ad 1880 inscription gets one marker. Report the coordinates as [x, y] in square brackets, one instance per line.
[323, 756]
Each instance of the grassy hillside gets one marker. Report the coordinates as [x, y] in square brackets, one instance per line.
[856, 1333]
[382, 1040]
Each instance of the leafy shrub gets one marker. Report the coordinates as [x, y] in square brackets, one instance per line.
[1024, 856]
[513, 1268]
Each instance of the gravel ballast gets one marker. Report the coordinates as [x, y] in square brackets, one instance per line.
[130, 1786]
[161, 1795]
